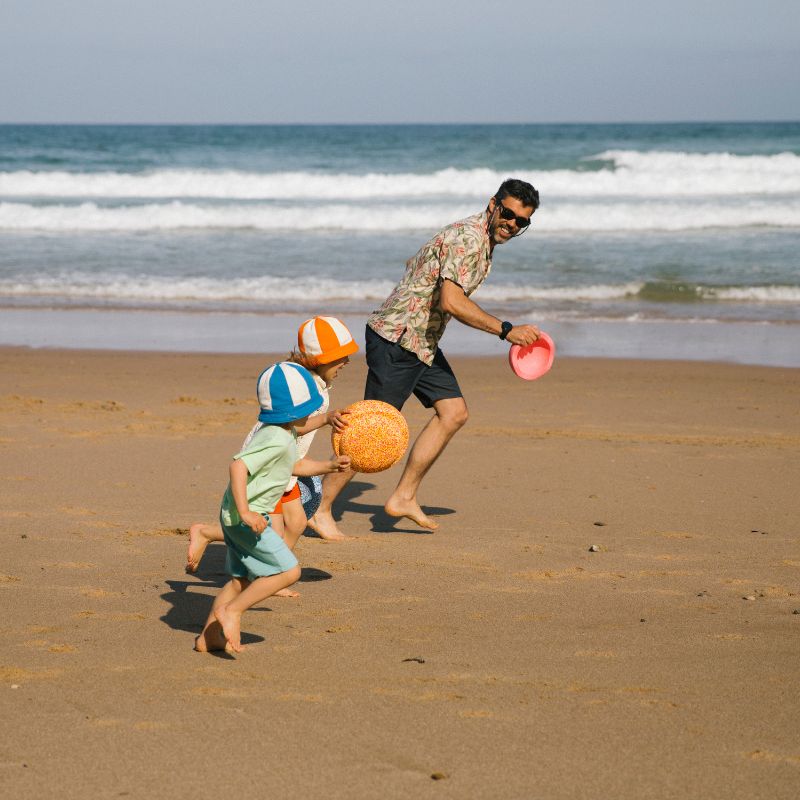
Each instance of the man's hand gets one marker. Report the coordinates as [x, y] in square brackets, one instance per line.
[254, 521]
[336, 419]
[523, 334]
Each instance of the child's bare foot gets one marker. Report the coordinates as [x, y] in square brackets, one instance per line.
[400, 507]
[210, 640]
[324, 525]
[231, 623]
[286, 593]
[197, 546]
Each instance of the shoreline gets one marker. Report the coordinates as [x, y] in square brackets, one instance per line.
[756, 343]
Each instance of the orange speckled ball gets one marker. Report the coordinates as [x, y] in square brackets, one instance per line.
[376, 436]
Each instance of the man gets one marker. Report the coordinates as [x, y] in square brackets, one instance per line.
[402, 339]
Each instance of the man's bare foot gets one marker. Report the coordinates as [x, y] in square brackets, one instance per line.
[197, 546]
[399, 507]
[210, 640]
[324, 525]
[231, 626]
[286, 593]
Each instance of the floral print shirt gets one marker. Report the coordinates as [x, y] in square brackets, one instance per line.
[411, 315]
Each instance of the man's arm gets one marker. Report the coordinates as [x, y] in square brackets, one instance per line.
[453, 301]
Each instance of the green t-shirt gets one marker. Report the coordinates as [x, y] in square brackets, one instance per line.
[269, 457]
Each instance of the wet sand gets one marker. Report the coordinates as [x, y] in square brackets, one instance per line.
[497, 657]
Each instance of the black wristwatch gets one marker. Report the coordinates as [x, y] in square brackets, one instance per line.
[505, 329]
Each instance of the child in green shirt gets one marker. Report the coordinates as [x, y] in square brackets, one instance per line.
[258, 559]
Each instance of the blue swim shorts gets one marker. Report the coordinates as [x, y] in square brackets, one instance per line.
[252, 556]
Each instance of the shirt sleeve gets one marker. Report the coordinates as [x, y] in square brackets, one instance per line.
[256, 457]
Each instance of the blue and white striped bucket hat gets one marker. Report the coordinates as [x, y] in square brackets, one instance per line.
[286, 392]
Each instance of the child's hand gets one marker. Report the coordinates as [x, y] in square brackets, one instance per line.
[336, 419]
[339, 464]
[254, 521]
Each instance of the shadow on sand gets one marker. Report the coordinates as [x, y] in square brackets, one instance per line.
[189, 609]
[381, 521]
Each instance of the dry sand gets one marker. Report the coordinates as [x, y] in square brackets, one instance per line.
[496, 658]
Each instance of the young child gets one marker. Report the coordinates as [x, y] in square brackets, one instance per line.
[324, 346]
[258, 559]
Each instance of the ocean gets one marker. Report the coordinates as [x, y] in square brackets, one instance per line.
[652, 240]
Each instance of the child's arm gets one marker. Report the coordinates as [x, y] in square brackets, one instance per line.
[238, 472]
[333, 418]
[307, 466]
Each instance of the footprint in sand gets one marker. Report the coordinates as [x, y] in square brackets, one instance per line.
[43, 644]
[105, 722]
[217, 691]
[160, 532]
[674, 534]
[21, 675]
[595, 654]
[122, 616]
[150, 725]
[98, 593]
[772, 758]
[74, 511]
[302, 698]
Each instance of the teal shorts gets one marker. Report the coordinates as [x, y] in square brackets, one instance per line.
[252, 556]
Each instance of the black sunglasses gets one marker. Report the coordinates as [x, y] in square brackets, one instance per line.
[508, 214]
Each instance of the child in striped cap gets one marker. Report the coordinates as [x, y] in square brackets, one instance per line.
[324, 346]
[258, 560]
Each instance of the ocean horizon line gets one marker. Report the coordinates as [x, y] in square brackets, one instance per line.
[341, 124]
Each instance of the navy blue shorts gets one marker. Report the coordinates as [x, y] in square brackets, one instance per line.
[396, 373]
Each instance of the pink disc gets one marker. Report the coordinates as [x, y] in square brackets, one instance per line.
[533, 360]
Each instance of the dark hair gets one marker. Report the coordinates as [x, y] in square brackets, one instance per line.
[520, 190]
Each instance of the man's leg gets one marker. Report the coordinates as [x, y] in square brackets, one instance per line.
[451, 414]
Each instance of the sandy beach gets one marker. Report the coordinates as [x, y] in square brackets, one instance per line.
[499, 657]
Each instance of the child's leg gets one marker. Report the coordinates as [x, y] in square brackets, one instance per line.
[276, 521]
[294, 523]
[211, 637]
[200, 536]
[229, 613]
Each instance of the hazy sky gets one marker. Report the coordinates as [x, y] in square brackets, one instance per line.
[407, 61]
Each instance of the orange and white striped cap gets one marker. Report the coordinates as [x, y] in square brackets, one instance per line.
[324, 339]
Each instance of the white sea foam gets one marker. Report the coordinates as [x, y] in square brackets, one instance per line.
[106, 286]
[275, 291]
[504, 293]
[630, 216]
[629, 173]
[759, 294]
[238, 185]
